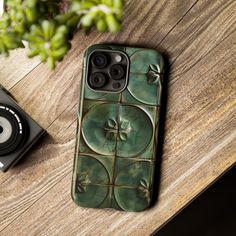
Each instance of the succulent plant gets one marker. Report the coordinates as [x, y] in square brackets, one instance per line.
[9, 39]
[48, 25]
[48, 40]
[105, 14]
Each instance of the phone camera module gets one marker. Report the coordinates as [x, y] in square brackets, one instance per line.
[97, 80]
[107, 71]
[117, 72]
[99, 60]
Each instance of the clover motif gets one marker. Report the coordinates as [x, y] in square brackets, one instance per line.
[154, 74]
[144, 190]
[82, 182]
[119, 128]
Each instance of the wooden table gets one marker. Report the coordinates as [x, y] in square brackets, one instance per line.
[199, 40]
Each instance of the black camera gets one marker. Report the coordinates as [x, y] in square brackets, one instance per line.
[18, 131]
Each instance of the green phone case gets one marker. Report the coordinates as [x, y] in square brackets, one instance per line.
[117, 136]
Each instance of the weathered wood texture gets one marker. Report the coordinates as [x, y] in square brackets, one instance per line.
[199, 38]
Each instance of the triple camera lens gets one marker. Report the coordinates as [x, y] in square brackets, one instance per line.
[106, 72]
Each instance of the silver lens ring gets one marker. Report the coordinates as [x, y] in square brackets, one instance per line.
[13, 129]
[5, 130]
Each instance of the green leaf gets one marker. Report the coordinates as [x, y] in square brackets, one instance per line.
[51, 63]
[59, 54]
[112, 22]
[48, 29]
[101, 25]
[118, 4]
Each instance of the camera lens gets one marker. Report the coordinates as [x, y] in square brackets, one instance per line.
[5, 130]
[117, 72]
[99, 60]
[13, 129]
[97, 80]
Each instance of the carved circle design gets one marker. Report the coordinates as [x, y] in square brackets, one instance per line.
[93, 124]
[144, 76]
[129, 199]
[91, 175]
[110, 129]
[140, 134]
[136, 176]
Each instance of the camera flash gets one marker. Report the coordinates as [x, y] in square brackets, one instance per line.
[118, 58]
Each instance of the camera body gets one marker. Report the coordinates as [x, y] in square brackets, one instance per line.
[18, 131]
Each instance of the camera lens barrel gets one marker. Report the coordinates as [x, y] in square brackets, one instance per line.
[99, 60]
[117, 72]
[13, 129]
[97, 80]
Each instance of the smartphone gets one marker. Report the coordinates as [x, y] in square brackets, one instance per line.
[117, 132]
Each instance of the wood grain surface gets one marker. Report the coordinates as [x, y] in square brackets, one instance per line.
[198, 38]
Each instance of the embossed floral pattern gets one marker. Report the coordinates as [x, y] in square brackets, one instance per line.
[119, 128]
[82, 182]
[144, 190]
[153, 75]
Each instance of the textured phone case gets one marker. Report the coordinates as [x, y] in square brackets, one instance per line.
[117, 136]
